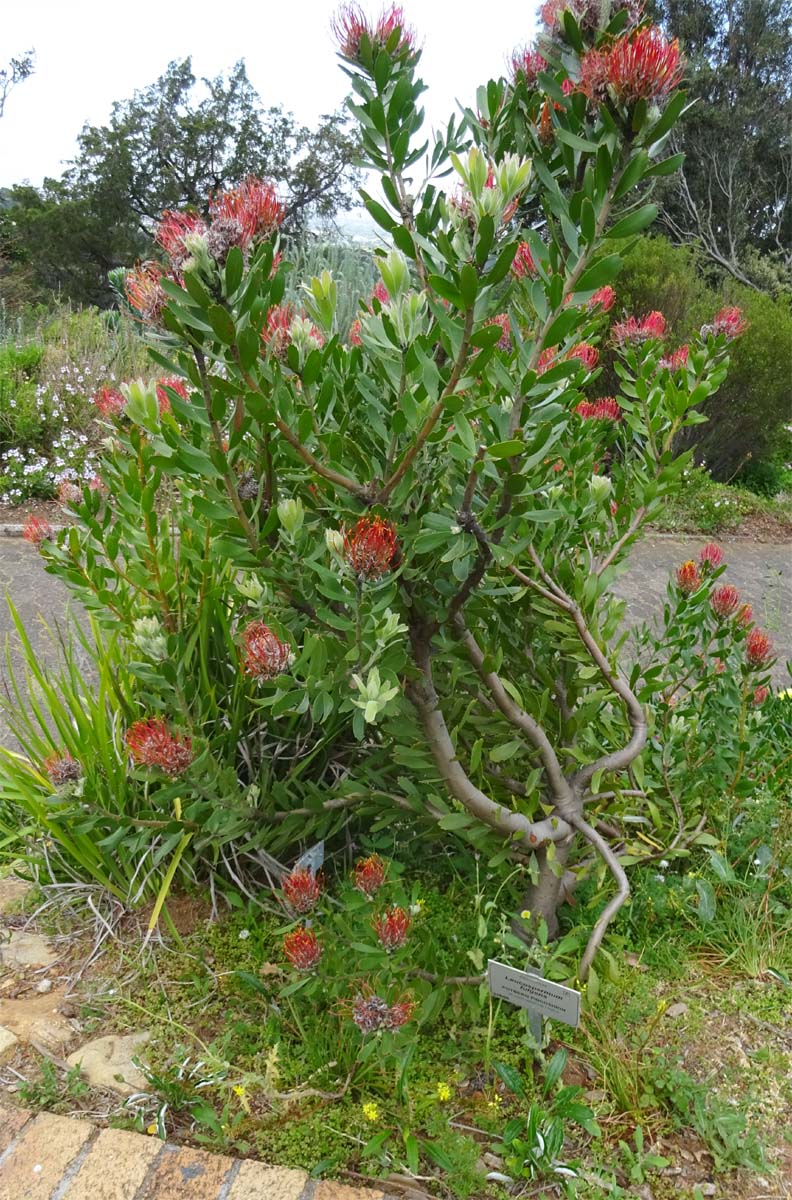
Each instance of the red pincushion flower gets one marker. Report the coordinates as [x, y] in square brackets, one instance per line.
[370, 546]
[153, 744]
[710, 556]
[588, 355]
[546, 360]
[302, 948]
[523, 263]
[143, 290]
[760, 695]
[527, 64]
[644, 66]
[380, 293]
[176, 384]
[502, 319]
[276, 334]
[265, 655]
[350, 25]
[729, 322]
[301, 889]
[603, 298]
[392, 928]
[593, 81]
[62, 769]
[109, 402]
[724, 600]
[254, 205]
[633, 332]
[354, 333]
[69, 493]
[676, 360]
[604, 409]
[36, 531]
[688, 578]
[371, 1013]
[758, 647]
[370, 874]
[173, 229]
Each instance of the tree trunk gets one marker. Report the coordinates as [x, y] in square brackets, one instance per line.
[543, 899]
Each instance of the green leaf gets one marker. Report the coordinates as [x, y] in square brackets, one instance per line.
[468, 284]
[707, 903]
[634, 222]
[510, 1076]
[666, 166]
[446, 290]
[599, 273]
[577, 143]
[234, 268]
[379, 214]
[505, 449]
[222, 323]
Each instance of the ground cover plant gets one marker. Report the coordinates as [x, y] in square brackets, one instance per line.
[354, 591]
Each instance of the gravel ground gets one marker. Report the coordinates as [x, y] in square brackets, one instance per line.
[762, 572]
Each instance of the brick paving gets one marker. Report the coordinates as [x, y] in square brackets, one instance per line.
[46, 1157]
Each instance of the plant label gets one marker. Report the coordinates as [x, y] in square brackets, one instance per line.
[533, 992]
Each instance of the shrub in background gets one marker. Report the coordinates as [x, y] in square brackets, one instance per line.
[747, 433]
[376, 574]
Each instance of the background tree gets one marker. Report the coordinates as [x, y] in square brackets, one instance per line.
[17, 70]
[171, 145]
[732, 196]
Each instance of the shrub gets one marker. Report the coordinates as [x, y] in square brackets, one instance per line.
[748, 414]
[376, 575]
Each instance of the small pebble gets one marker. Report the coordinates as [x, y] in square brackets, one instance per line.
[44, 986]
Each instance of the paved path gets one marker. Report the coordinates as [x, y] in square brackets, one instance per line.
[46, 1157]
[761, 570]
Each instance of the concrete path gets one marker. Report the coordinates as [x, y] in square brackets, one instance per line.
[46, 1157]
[761, 570]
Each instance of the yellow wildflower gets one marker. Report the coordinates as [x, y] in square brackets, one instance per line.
[152, 1128]
[371, 1111]
[443, 1092]
[526, 914]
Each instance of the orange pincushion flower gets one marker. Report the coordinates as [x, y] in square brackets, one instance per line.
[392, 928]
[523, 263]
[370, 874]
[144, 291]
[688, 577]
[370, 546]
[588, 355]
[177, 385]
[758, 647]
[302, 948]
[301, 889]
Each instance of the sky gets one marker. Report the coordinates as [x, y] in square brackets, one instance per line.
[89, 54]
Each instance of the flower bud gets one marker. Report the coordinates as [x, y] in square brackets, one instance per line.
[321, 297]
[395, 273]
[407, 316]
[148, 637]
[142, 406]
[335, 541]
[250, 588]
[600, 488]
[291, 515]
